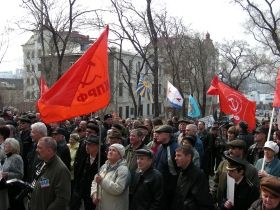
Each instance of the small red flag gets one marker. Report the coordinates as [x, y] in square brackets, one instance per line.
[234, 103]
[83, 89]
[276, 101]
[43, 87]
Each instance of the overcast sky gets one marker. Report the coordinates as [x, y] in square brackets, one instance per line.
[218, 17]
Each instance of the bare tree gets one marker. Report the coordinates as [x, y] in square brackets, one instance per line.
[239, 62]
[264, 22]
[140, 30]
[4, 43]
[54, 21]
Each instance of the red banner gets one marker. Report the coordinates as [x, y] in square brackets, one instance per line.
[234, 103]
[83, 89]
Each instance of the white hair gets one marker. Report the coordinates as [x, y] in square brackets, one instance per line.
[40, 127]
[14, 144]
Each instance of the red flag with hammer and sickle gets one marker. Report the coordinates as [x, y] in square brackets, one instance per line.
[82, 89]
[234, 103]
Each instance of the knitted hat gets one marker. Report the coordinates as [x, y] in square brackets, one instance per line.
[120, 149]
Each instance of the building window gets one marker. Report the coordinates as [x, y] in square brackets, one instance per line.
[126, 111]
[120, 67]
[148, 109]
[131, 111]
[28, 68]
[120, 89]
[120, 112]
[27, 96]
[159, 108]
[28, 54]
[39, 67]
[141, 110]
[33, 69]
[32, 54]
[130, 65]
[39, 53]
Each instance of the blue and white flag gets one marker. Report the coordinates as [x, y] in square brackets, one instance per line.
[193, 108]
[173, 96]
[144, 89]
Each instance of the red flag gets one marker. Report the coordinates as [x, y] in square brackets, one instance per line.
[83, 89]
[234, 103]
[276, 101]
[43, 87]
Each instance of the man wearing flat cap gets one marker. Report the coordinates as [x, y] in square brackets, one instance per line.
[270, 195]
[25, 137]
[62, 149]
[237, 149]
[85, 176]
[255, 151]
[165, 162]
[245, 193]
[147, 184]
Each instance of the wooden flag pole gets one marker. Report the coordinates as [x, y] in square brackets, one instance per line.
[98, 163]
[269, 133]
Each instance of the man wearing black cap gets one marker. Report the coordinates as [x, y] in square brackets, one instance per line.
[84, 177]
[62, 149]
[107, 124]
[255, 151]
[165, 162]
[147, 184]
[237, 149]
[245, 193]
[25, 137]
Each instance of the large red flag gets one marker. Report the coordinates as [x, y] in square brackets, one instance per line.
[276, 101]
[43, 87]
[83, 89]
[234, 103]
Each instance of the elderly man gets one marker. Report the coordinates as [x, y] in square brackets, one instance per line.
[52, 182]
[38, 130]
[191, 130]
[62, 149]
[192, 191]
[135, 138]
[147, 184]
[165, 162]
[255, 151]
[270, 194]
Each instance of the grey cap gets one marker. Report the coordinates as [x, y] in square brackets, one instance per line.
[144, 152]
[164, 129]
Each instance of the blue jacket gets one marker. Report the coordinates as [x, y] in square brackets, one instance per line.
[272, 168]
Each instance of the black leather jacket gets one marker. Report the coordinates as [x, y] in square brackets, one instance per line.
[147, 190]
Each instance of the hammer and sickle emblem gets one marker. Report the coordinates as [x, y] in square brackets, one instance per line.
[234, 103]
[88, 81]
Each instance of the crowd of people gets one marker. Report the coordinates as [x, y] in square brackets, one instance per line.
[137, 164]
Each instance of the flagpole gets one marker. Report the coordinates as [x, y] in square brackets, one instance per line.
[99, 160]
[269, 133]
